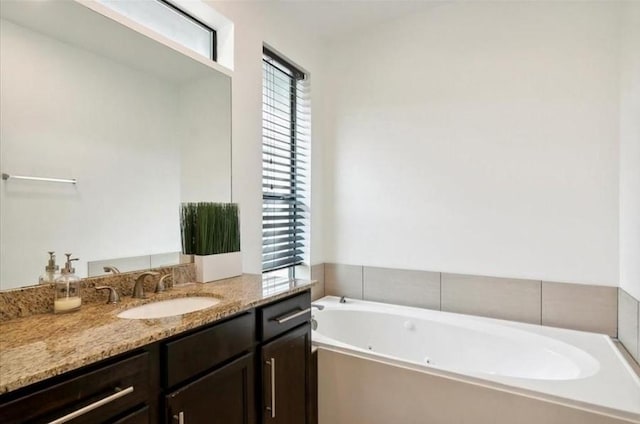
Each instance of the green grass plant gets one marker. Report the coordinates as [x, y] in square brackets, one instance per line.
[209, 228]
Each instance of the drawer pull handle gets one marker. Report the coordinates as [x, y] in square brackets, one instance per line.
[272, 408]
[179, 418]
[284, 318]
[97, 404]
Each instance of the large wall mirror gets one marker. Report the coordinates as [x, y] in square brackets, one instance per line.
[139, 125]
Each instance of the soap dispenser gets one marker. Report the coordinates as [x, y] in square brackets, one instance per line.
[50, 271]
[67, 288]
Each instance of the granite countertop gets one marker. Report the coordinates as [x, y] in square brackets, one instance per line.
[37, 347]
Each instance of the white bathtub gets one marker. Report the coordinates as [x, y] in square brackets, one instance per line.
[578, 369]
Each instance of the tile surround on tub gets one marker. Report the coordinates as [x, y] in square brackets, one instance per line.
[317, 273]
[627, 356]
[343, 280]
[503, 298]
[628, 323]
[402, 287]
[580, 307]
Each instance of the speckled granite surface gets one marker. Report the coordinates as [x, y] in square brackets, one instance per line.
[37, 347]
[38, 299]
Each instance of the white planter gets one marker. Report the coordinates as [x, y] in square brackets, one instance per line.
[217, 267]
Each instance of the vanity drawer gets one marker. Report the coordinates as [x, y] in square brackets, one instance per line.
[141, 416]
[204, 349]
[283, 315]
[94, 397]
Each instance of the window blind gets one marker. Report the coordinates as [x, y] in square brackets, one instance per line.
[285, 159]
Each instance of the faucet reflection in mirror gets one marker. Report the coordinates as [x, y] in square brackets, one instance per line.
[111, 269]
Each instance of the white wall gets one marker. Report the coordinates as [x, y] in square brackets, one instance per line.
[479, 138]
[630, 151]
[256, 23]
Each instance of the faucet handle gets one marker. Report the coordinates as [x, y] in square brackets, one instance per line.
[160, 287]
[113, 294]
[138, 287]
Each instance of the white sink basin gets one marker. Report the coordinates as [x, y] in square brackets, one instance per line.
[168, 308]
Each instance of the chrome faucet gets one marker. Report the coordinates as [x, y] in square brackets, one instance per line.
[343, 299]
[160, 287]
[113, 294]
[314, 323]
[138, 287]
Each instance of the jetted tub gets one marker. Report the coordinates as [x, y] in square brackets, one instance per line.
[570, 368]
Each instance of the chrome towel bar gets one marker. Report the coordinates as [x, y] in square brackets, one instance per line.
[51, 180]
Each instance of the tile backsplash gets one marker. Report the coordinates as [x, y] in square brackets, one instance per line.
[629, 323]
[343, 280]
[38, 299]
[403, 287]
[503, 298]
[317, 273]
[580, 306]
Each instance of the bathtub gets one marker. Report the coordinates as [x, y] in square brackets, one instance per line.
[577, 376]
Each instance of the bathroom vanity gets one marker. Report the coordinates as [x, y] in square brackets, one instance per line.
[250, 363]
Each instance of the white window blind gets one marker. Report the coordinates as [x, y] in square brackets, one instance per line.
[285, 160]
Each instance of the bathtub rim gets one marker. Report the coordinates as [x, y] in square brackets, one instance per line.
[586, 362]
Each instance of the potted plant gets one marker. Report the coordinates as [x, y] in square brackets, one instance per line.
[211, 232]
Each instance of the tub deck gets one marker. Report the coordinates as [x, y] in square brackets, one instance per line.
[611, 393]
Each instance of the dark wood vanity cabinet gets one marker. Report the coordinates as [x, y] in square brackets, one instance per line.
[223, 396]
[248, 369]
[285, 358]
[213, 376]
[116, 391]
[285, 377]
[209, 374]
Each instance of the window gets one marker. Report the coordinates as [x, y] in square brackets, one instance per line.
[173, 23]
[285, 158]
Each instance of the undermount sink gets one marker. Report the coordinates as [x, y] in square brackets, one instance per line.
[169, 308]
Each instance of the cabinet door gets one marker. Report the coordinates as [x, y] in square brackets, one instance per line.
[285, 377]
[224, 396]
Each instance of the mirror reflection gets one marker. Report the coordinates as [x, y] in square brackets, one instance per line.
[137, 136]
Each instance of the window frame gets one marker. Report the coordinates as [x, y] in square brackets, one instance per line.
[296, 75]
[214, 39]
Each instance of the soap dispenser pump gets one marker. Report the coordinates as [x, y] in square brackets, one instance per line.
[50, 271]
[67, 289]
